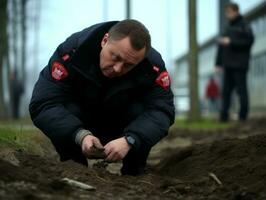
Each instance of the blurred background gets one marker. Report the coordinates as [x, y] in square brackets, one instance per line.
[30, 31]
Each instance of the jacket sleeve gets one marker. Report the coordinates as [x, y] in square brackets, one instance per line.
[244, 39]
[153, 124]
[47, 108]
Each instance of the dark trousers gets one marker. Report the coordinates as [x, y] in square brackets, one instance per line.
[15, 106]
[235, 79]
[134, 162]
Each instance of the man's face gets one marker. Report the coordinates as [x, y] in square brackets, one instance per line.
[230, 14]
[118, 57]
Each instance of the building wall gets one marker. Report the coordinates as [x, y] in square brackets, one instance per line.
[180, 87]
[257, 73]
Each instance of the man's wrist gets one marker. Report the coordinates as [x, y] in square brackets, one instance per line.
[130, 145]
[81, 134]
[133, 140]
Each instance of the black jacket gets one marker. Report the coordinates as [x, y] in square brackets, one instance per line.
[134, 103]
[237, 54]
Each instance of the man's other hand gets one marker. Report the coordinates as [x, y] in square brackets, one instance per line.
[117, 149]
[225, 41]
[218, 69]
[92, 147]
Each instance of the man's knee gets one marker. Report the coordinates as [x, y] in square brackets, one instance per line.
[135, 161]
[71, 153]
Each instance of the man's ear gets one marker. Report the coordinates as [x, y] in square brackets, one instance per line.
[105, 39]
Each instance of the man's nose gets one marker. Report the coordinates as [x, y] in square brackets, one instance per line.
[118, 67]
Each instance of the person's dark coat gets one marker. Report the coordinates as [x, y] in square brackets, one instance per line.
[237, 54]
[139, 103]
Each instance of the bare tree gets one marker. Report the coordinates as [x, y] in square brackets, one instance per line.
[128, 9]
[36, 24]
[14, 36]
[3, 52]
[15, 56]
[13, 51]
[194, 113]
[23, 39]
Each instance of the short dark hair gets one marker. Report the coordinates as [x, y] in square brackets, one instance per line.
[138, 34]
[233, 6]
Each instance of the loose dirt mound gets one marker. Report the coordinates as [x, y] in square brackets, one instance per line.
[239, 164]
[41, 178]
[236, 157]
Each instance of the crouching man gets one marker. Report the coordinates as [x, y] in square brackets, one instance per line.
[105, 93]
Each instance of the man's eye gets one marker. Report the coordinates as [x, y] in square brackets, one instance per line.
[114, 57]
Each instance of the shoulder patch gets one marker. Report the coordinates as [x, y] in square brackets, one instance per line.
[163, 80]
[59, 72]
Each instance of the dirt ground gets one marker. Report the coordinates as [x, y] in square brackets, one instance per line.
[192, 165]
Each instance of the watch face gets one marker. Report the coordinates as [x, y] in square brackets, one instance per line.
[131, 140]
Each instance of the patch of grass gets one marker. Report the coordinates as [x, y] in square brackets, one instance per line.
[204, 124]
[8, 138]
[14, 138]
[29, 140]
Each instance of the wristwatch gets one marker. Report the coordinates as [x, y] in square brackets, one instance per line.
[131, 140]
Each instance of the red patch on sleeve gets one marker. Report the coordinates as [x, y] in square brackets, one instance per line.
[163, 80]
[59, 72]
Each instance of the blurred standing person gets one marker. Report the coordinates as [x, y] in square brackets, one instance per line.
[105, 94]
[233, 57]
[16, 93]
[212, 94]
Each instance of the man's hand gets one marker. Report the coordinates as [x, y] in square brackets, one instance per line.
[92, 147]
[117, 149]
[218, 69]
[224, 41]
